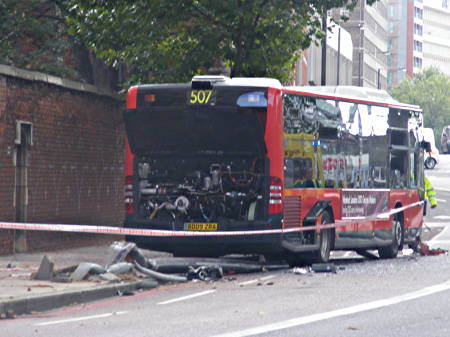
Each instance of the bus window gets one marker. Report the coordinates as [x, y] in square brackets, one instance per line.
[303, 166]
[379, 120]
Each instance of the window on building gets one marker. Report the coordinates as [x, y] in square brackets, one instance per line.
[418, 29]
[444, 3]
[417, 46]
[417, 62]
[418, 13]
[391, 10]
[391, 27]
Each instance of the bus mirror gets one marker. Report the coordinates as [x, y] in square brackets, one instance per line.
[255, 99]
[426, 146]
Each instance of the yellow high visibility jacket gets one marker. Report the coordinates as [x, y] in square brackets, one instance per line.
[430, 193]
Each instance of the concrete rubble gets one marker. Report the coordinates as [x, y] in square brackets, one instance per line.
[36, 282]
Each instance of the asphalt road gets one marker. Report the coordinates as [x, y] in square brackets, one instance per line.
[408, 296]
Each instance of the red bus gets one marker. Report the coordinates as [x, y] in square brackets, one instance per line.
[297, 171]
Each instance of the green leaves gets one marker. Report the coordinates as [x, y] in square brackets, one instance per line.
[34, 36]
[171, 40]
[431, 90]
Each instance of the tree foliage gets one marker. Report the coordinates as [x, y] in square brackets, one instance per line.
[430, 89]
[34, 35]
[170, 40]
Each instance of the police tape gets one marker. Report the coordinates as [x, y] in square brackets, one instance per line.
[181, 233]
[144, 232]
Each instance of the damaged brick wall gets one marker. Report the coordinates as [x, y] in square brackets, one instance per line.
[75, 170]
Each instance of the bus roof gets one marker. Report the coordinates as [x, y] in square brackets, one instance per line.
[349, 93]
[239, 81]
[354, 94]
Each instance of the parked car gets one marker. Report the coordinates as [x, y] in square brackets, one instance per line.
[431, 158]
[445, 139]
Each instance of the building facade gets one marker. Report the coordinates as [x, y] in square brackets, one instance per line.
[339, 59]
[418, 37]
[368, 29]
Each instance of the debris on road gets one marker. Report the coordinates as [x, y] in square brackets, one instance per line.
[323, 268]
[45, 271]
[425, 250]
[86, 268]
[301, 270]
[205, 273]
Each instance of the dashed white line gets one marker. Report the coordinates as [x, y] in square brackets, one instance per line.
[187, 297]
[441, 200]
[340, 312]
[84, 318]
[442, 217]
[434, 224]
[442, 189]
[265, 278]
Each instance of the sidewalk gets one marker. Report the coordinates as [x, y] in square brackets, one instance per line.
[20, 294]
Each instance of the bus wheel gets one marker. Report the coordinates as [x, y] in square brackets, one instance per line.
[430, 163]
[321, 255]
[391, 251]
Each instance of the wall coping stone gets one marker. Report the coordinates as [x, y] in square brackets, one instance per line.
[62, 82]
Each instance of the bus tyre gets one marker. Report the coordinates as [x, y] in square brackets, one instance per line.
[322, 255]
[391, 251]
[430, 163]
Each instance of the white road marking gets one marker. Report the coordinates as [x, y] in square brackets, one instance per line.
[77, 319]
[442, 189]
[187, 297]
[340, 312]
[436, 238]
[441, 217]
[434, 224]
[265, 278]
[441, 200]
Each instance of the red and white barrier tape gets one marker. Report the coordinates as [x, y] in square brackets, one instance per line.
[160, 233]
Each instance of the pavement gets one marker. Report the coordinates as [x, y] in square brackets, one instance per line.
[21, 294]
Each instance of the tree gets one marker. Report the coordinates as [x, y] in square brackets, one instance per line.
[35, 37]
[171, 40]
[430, 89]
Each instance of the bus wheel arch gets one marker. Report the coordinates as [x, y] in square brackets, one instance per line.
[398, 237]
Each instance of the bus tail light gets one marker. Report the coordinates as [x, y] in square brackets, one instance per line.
[275, 195]
[128, 194]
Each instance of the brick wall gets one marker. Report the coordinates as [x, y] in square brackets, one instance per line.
[75, 172]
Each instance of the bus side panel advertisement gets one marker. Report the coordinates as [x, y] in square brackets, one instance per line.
[364, 203]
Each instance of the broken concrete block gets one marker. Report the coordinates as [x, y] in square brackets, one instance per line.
[86, 268]
[109, 277]
[120, 268]
[45, 271]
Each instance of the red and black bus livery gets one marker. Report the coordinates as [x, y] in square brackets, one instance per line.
[308, 169]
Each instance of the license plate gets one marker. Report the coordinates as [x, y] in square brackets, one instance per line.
[200, 226]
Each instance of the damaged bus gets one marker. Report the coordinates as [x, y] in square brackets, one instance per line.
[255, 167]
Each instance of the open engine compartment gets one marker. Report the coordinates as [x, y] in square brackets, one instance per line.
[200, 188]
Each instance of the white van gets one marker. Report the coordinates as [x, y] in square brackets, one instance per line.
[432, 158]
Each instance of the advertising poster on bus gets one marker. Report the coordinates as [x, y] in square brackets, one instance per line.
[357, 203]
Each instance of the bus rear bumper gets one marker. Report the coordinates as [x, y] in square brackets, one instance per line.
[214, 245]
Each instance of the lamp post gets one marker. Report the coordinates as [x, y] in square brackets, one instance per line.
[360, 53]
